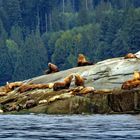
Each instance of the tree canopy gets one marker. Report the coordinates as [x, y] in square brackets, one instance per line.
[35, 32]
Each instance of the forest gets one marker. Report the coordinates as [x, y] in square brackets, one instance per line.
[35, 32]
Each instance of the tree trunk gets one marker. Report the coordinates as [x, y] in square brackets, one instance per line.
[38, 20]
[50, 19]
[46, 22]
[86, 4]
[63, 5]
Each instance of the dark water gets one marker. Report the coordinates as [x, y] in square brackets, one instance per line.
[79, 127]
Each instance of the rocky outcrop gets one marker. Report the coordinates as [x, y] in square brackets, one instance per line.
[107, 74]
[102, 92]
[72, 101]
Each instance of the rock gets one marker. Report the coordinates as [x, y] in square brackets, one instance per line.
[102, 92]
[29, 104]
[1, 111]
[74, 105]
[121, 102]
[60, 97]
[42, 101]
[12, 108]
[107, 74]
[138, 54]
[3, 94]
[73, 102]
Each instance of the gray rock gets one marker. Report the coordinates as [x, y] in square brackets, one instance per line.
[107, 74]
[138, 54]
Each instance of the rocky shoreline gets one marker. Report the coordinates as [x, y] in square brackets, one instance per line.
[107, 97]
[72, 101]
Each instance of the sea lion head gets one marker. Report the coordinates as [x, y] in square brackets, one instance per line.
[81, 58]
[136, 75]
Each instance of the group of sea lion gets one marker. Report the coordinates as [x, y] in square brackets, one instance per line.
[52, 68]
[81, 61]
[135, 82]
[65, 84]
[56, 86]
[132, 83]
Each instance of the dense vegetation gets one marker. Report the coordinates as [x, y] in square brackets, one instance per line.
[35, 32]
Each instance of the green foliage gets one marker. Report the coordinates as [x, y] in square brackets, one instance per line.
[12, 46]
[12, 11]
[13, 51]
[17, 35]
[33, 58]
[6, 67]
[35, 32]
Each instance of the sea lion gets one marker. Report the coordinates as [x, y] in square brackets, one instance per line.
[52, 68]
[130, 84]
[79, 80]
[64, 84]
[11, 86]
[133, 83]
[82, 61]
[87, 90]
[3, 89]
[29, 87]
[136, 75]
[130, 56]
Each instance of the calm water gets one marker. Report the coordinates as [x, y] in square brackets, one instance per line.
[79, 127]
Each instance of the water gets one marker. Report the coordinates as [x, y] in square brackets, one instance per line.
[74, 127]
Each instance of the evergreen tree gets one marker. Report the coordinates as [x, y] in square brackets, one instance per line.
[34, 58]
[35, 32]
[13, 12]
[6, 67]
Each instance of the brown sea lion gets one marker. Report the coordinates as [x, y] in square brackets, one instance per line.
[79, 80]
[64, 84]
[130, 56]
[52, 68]
[130, 84]
[87, 90]
[136, 75]
[11, 86]
[133, 83]
[3, 89]
[82, 61]
[29, 87]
